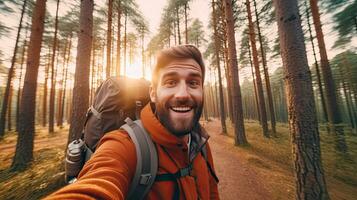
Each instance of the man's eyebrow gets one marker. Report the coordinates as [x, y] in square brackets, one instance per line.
[196, 74]
[168, 74]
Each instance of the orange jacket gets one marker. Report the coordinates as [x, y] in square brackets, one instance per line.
[107, 175]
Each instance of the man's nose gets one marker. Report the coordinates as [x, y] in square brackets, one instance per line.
[182, 92]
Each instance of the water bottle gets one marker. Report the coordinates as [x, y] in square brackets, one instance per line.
[74, 159]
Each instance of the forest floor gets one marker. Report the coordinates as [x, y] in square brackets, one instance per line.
[260, 170]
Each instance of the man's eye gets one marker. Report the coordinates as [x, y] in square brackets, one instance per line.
[170, 83]
[194, 83]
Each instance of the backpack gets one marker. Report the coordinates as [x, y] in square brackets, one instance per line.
[117, 101]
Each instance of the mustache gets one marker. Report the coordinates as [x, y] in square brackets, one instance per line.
[177, 103]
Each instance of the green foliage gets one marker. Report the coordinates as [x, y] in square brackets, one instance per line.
[346, 24]
[196, 33]
[132, 41]
[344, 67]
[244, 58]
[5, 9]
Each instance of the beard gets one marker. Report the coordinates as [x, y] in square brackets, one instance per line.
[182, 125]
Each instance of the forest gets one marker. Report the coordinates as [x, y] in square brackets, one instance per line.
[280, 90]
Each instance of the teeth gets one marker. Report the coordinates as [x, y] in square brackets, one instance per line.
[181, 109]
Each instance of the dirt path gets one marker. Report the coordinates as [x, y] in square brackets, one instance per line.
[237, 180]
[58, 139]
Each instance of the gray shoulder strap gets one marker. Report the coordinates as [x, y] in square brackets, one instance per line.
[147, 161]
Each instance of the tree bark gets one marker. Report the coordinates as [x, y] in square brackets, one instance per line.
[65, 78]
[125, 41]
[10, 75]
[118, 39]
[254, 83]
[24, 146]
[239, 131]
[303, 125]
[20, 81]
[266, 74]
[142, 52]
[60, 103]
[45, 89]
[186, 32]
[80, 99]
[262, 108]
[178, 25]
[333, 111]
[9, 111]
[323, 102]
[109, 38]
[216, 44]
[51, 120]
[229, 81]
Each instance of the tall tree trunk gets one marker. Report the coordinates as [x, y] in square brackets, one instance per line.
[10, 76]
[109, 38]
[142, 52]
[346, 93]
[9, 111]
[266, 73]
[263, 113]
[24, 146]
[81, 80]
[254, 83]
[186, 31]
[175, 35]
[309, 175]
[20, 81]
[229, 81]
[216, 45]
[118, 39]
[239, 131]
[51, 120]
[178, 25]
[44, 106]
[348, 104]
[92, 88]
[333, 111]
[65, 78]
[323, 102]
[60, 104]
[112, 65]
[125, 42]
[353, 91]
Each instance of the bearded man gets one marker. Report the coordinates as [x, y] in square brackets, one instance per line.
[172, 121]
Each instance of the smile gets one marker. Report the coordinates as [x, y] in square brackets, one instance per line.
[181, 109]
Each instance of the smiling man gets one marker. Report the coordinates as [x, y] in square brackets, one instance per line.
[172, 121]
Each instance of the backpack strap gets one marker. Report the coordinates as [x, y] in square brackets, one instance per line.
[147, 160]
[174, 177]
[204, 154]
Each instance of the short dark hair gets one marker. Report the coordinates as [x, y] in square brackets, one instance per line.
[185, 51]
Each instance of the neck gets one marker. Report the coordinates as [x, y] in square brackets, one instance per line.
[185, 138]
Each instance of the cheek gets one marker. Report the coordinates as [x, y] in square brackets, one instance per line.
[163, 95]
[198, 96]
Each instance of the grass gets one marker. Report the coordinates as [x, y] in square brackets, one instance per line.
[272, 158]
[43, 176]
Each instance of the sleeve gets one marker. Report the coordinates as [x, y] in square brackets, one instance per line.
[212, 181]
[107, 175]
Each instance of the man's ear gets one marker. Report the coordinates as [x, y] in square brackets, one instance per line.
[152, 92]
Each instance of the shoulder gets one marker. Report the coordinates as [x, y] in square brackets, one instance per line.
[117, 141]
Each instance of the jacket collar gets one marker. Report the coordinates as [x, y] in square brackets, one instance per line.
[162, 136]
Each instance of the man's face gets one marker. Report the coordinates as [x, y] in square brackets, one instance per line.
[178, 96]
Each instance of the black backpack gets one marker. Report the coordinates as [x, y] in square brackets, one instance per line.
[116, 102]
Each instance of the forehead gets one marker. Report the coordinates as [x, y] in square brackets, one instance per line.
[181, 65]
